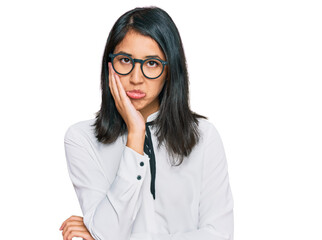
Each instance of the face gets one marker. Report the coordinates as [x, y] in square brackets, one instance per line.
[143, 92]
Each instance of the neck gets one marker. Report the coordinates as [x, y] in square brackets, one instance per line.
[147, 112]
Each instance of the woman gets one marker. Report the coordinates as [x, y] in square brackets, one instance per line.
[147, 167]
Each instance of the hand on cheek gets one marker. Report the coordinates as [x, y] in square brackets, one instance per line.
[133, 118]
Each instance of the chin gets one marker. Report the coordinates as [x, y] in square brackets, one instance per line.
[138, 106]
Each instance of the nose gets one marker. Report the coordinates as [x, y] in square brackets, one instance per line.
[136, 75]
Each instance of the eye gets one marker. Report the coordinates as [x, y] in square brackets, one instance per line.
[152, 63]
[125, 60]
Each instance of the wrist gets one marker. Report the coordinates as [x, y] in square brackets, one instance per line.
[136, 130]
[135, 140]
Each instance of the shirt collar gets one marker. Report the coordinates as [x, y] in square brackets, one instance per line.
[152, 116]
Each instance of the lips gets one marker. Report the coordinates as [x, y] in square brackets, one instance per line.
[135, 94]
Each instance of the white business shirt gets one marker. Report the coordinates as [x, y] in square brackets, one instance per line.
[193, 201]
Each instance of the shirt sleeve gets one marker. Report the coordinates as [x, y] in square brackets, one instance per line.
[109, 208]
[216, 201]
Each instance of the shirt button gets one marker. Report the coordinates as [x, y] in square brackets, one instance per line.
[139, 177]
[141, 164]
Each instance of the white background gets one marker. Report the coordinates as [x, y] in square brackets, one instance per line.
[255, 70]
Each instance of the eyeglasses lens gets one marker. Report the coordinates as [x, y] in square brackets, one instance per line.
[122, 64]
[152, 68]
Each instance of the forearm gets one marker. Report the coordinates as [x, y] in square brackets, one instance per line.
[114, 215]
[207, 233]
[109, 208]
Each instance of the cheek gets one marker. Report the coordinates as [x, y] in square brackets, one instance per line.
[156, 88]
[124, 80]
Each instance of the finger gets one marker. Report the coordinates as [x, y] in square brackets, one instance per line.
[110, 78]
[72, 224]
[113, 86]
[71, 218]
[84, 235]
[73, 229]
[120, 88]
[66, 224]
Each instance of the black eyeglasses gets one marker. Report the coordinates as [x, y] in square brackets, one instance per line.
[123, 64]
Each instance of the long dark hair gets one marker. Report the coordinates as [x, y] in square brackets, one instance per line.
[176, 125]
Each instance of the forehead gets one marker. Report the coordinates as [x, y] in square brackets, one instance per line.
[139, 45]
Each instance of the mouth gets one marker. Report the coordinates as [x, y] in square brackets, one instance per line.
[135, 94]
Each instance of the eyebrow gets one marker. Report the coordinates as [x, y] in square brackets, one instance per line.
[149, 56]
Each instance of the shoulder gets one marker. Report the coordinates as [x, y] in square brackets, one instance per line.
[207, 129]
[209, 135]
[211, 145]
[81, 131]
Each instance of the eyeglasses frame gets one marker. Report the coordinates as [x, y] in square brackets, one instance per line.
[135, 60]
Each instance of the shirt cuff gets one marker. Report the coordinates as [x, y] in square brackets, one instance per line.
[133, 165]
